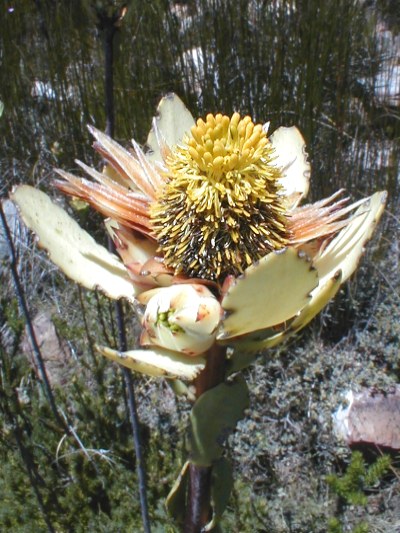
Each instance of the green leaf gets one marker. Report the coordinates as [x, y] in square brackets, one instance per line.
[181, 389]
[240, 359]
[221, 488]
[213, 417]
[176, 499]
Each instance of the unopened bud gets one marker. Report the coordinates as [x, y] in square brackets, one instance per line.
[183, 318]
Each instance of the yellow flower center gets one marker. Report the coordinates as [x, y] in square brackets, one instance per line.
[220, 209]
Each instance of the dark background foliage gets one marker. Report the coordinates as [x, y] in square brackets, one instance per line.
[329, 67]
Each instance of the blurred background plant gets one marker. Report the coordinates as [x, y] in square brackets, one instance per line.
[329, 67]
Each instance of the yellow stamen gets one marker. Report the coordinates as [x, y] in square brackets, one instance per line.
[220, 209]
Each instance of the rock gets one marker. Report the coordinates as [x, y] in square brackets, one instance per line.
[371, 419]
[55, 351]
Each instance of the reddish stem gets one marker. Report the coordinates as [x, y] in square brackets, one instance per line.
[198, 511]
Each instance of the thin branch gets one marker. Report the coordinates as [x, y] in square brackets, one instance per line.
[108, 25]
[138, 449]
[31, 332]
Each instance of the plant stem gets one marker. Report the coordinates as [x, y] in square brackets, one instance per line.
[198, 510]
[199, 503]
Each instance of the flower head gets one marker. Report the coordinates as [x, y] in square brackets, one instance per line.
[214, 202]
[220, 209]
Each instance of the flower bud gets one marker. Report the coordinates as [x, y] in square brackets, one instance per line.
[183, 318]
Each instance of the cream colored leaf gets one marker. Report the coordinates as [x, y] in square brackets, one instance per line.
[252, 344]
[345, 250]
[269, 293]
[173, 120]
[320, 297]
[291, 156]
[71, 248]
[157, 362]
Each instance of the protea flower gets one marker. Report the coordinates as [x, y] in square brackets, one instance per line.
[212, 203]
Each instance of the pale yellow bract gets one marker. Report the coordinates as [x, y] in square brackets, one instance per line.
[71, 248]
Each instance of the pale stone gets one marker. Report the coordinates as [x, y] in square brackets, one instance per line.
[371, 418]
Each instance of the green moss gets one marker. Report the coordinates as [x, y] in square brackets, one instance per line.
[351, 487]
[12, 316]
